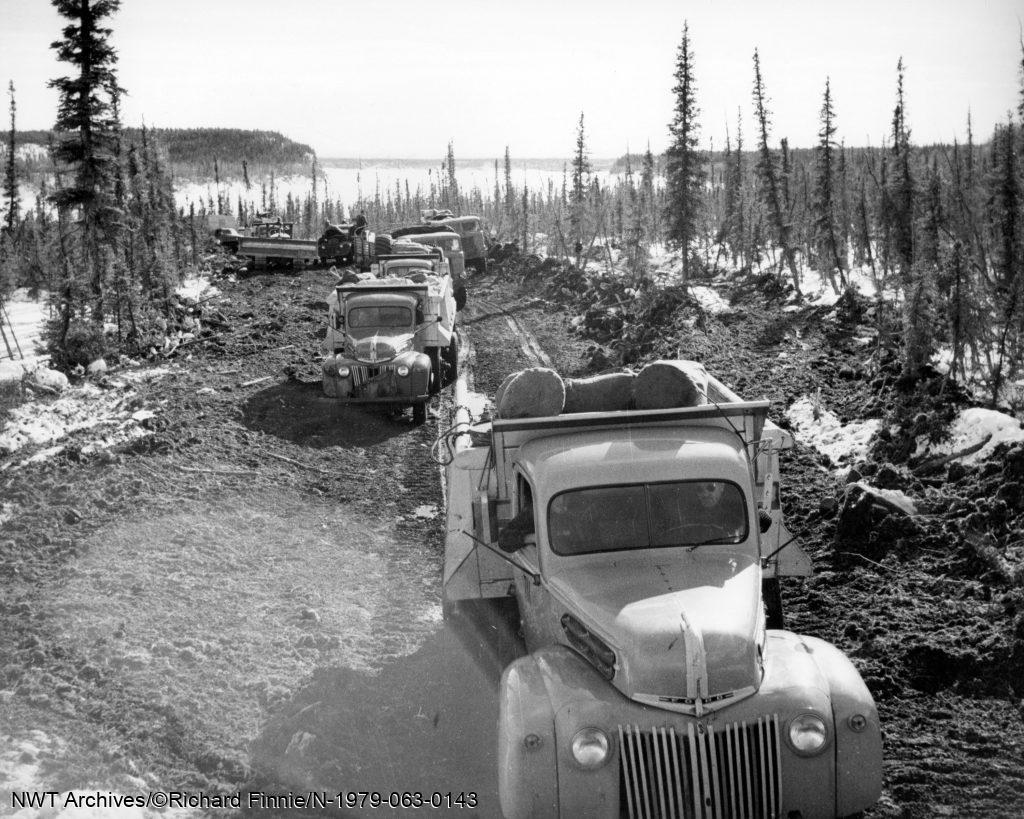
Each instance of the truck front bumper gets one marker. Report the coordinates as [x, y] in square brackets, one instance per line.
[380, 384]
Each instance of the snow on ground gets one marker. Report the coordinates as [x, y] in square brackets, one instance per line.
[710, 301]
[21, 763]
[113, 416]
[196, 288]
[899, 499]
[23, 325]
[971, 427]
[843, 443]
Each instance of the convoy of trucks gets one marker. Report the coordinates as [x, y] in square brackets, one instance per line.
[632, 550]
[633, 557]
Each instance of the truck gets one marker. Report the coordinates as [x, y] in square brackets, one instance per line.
[470, 231]
[392, 340]
[652, 676]
[268, 240]
[369, 245]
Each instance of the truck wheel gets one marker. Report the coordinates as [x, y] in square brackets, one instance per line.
[451, 361]
[419, 414]
[435, 370]
[772, 594]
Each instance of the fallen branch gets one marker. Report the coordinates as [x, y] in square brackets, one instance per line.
[298, 463]
[983, 547]
[216, 471]
[256, 381]
[934, 464]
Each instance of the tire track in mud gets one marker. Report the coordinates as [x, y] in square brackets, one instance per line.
[531, 348]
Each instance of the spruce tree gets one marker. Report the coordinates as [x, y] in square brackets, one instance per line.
[901, 182]
[826, 239]
[684, 162]
[10, 190]
[453, 182]
[1007, 231]
[86, 140]
[578, 194]
[768, 174]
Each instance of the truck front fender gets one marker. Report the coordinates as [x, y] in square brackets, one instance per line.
[527, 767]
[858, 743]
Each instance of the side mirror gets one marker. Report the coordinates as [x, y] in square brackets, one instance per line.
[764, 520]
[339, 321]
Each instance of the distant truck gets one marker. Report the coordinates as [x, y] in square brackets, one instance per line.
[268, 241]
[634, 550]
[392, 340]
[474, 246]
[370, 245]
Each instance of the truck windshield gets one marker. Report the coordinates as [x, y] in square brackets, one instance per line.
[644, 516]
[384, 316]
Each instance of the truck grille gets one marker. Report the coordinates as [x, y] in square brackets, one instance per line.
[361, 374]
[729, 771]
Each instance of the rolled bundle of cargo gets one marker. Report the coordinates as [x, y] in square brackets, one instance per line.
[382, 244]
[536, 392]
[600, 393]
[352, 277]
[663, 384]
[407, 246]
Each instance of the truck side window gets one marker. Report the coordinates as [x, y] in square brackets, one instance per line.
[513, 534]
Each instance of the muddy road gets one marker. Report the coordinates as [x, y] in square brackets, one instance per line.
[247, 597]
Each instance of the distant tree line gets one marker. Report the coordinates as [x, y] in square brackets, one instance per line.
[939, 228]
[192, 151]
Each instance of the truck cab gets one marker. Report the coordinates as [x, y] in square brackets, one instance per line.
[470, 231]
[633, 548]
[337, 243]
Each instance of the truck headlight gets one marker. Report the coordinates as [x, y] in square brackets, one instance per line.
[343, 371]
[402, 370]
[591, 748]
[808, 734]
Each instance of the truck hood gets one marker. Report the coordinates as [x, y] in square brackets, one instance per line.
[377, 349]
[687, 630]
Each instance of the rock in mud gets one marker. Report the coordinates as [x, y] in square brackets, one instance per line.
[871, 520]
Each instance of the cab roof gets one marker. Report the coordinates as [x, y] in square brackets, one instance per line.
[630, 455]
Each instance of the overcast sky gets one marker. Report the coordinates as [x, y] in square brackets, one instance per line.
[396, 78]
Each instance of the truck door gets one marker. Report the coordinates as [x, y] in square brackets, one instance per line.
[525, 521]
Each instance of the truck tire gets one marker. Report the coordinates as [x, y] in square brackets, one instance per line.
[419, 414]
[450, 363]
[435, 370]
[772, 594]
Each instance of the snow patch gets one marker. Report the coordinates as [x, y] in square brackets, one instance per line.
[709, 300]
[897, 498]
[427, 512]
[196, 288]
[23, 322]
[114, 417]
[971, 427]
[842, 443]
